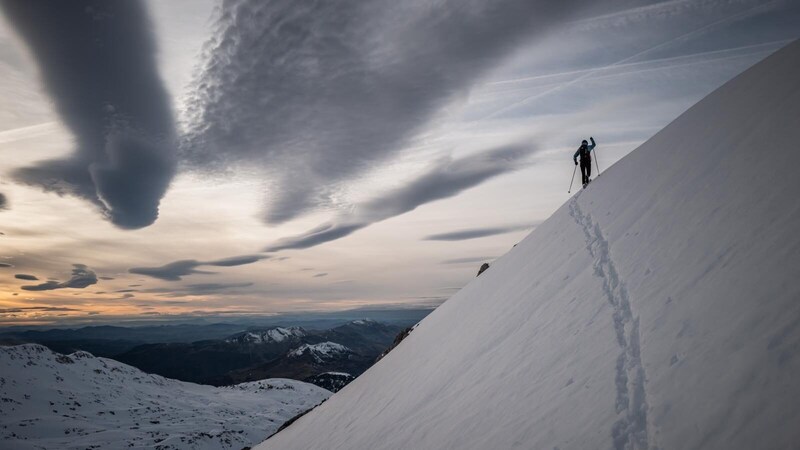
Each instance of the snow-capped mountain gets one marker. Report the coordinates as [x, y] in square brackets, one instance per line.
[657, 309]
[363, 336]
[272, 335]
[54, 401]
[257, 354]
[350, 349]
[320, 352]
[363, 322]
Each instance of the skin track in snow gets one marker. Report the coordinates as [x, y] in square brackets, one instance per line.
[656, 310]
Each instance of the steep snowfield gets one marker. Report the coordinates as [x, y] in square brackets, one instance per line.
[660, 308]
[54, 401]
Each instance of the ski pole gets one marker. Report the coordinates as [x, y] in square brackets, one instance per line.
[596, 165]
[573, 178]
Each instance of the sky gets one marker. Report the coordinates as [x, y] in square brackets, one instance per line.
[166, 159]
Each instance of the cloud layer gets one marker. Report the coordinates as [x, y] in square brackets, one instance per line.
[446, 178]
[81, 277]
[474, 233]
[469, 260]
[318, 91]
[97, 61]
[177, 269]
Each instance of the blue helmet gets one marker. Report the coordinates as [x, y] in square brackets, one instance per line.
[584, 142]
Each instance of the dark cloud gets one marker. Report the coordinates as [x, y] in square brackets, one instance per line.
[177, 269]
[82, 277]
[475, 233]
[236, 260]
[24, 276]
[445, 179]
[172, 271]
[479, 259]
[97, 61]
[106, 278]
[317, 91]
[3, 203]
[320, 275]
[2, 264]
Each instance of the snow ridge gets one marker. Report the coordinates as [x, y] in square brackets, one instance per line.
[630, 431]
[78, 401]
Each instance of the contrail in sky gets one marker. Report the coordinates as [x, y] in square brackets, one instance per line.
[685, 36]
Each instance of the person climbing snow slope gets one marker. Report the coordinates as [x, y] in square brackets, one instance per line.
[584, 151]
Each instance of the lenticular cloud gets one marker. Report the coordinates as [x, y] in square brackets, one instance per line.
[97, 60]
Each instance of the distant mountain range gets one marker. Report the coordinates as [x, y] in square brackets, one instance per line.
[111, 340]
[330, 358]
[280, 352]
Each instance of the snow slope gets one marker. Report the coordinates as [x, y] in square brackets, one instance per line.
[659, 308]
[54, 401]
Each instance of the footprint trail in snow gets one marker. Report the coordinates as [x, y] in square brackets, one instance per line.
[630, 430]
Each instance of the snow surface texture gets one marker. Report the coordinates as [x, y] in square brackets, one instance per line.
[657, 309]
[321, 351]
[54, 401]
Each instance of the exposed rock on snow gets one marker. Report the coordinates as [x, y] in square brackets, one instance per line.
[332, 381]
[658, 308]
[54, 401]
[397, 340]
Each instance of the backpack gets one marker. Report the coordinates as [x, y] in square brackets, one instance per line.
[585, 153]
